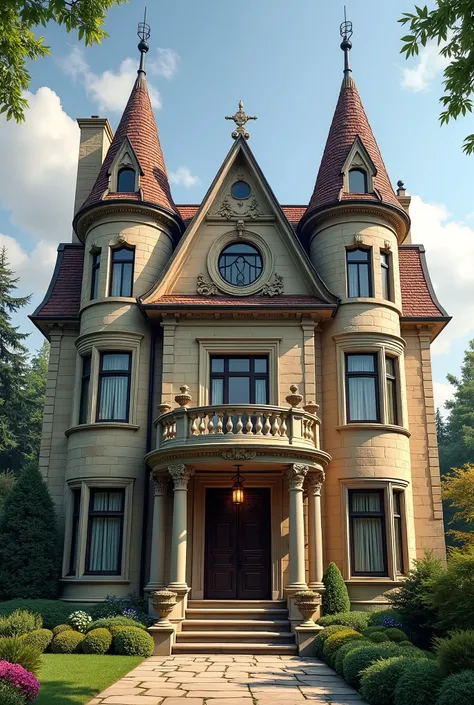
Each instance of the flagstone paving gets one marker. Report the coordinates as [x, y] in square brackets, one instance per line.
[229, 680]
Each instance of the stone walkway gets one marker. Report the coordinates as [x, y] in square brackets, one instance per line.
[228, 680]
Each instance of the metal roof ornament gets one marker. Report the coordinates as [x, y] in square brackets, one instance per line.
[144, 32]
[345, 31]
[240, 118]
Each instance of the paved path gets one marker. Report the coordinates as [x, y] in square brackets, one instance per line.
[229, 680]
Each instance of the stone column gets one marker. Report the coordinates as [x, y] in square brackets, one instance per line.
[295, 475]
[314, 482]
[158, 534]
[181, 475]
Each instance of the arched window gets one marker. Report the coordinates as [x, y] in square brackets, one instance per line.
[357, 181]
[126, 180]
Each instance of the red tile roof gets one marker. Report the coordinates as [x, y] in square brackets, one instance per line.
[418, 297]
[63, 297]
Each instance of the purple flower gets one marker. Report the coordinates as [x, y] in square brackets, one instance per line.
[20, 678]
[391, 622]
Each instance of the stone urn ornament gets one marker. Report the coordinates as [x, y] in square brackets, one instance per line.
[294, 398]
[307, 603]
[184, 398]
[163, 603]
[311, 408]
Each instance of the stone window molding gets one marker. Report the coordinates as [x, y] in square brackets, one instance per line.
[125, 158]
[359, 158]
[242, 236]
[85, 485]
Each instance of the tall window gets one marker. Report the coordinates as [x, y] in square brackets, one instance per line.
[121, 279]
[76, 508]
[239, 380]
[114, 387]
[367, 532]
[126, 180]
[385, 272]
[391, 390]
[362, 387]
[359, 281]
[95, 270]
[85, 389]
[397, 522]
[357, 181]
[105, 532]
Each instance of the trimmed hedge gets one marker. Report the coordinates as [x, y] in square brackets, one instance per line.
[395, 634]
[380, 617]
[133, 641]
[61, 628]
[19, 622]
[335, 596]
[344, 650]
[457, 689]
[14, 650]
[356, 620]
[67, 642]
[53, 612]
[419, 684]
[325, 634]
[114, 622]
[41, 638]
[356, 661]
[10, 695]
[379, 681]
[379, 637]
[97, 641]
[334, 642]
[456, 653]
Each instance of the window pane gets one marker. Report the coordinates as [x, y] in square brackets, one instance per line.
[84, 405]
[360, 363]
[75, 531]
[127, 279]
[358, 255]
[113, 399]
[123, 254]
[385, 284]
[352, 280]
[390, 365]
[362, 399]
[260, 365]
[86, 366]
[217, 365]
[368, 545]
[398, 545]
[115, 361]
[107, 501]
[242, 365]
[366, 502]
[364, 281]
[261, 391]
[357, 181]
[217, 391]
[391, 402]
[104, 552]
[95, 276]
[116, 284]
[126, 181]
[396, 503]
[239, 390]
[240, 264]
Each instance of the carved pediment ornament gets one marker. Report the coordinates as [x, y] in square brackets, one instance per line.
[205, 288]
[273, 287]
[239, 454]
[358, 239]
[228, 210]
[387, 245]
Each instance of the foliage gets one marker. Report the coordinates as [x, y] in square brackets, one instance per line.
[36, 378]
[449, 23]
[61, 628]
[452, 593]
[356, 620]
[457, 689]
[19, 622]
[14, 650]
[395, 634]
[379, 637]
[29, 565]
[67, 642]
[325, 634]
[418, 684]
[53, 612]
[456, 653]
[114, 622]
[385, 618]
[334, 642]
[405, 643]
[131, 606]
[97, 641]
[344, 650]
[10, 695]
[133, 641]
[356, 661]
[41, 638]
[458, 489]
[22, 679]
[379, 681]
[7, 480]
[335, 597]
[79, 620]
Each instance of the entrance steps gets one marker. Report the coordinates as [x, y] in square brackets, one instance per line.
[236, 627]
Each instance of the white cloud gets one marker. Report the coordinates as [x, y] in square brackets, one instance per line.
[164, 63]
[430, 64]
[33, 269]
[450, 255]
[183, 177]
[442, 392]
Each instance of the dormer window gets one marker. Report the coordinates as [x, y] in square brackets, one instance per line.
[358, 181]
[126, 180]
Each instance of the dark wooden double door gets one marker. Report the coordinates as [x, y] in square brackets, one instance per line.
[237, 557]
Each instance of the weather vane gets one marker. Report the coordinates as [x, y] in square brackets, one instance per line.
[346, 45]
[144, 34]
[240, 118]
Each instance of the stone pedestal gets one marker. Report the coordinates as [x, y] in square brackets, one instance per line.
[164, 638]
[305, 637]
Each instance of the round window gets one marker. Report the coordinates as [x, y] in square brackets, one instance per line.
[240, 190]
[240, 264]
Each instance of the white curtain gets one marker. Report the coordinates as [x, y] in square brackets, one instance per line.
[353, 276]
[368, 533]
[260, 391]
[104, 553]
[362, 390]
[114, 390]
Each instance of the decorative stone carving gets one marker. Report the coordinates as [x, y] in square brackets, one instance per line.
[240, 118]
[228, 210]
[163, 603]
[273, 288]
[240, 226]
[123, 239]
[164, 408]
[314, 482]
[358, 239]
[239, 454]
[184, 398]
[311, 407]
[295, 475]
[95, 249]
[160, 484]
[387, 245]
[225, 209]
[204, 288]
[307, 603]
[294, 398]
[181, 474]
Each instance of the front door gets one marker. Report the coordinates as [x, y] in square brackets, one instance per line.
[237, 558]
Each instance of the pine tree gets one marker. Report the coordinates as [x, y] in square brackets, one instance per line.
[36, 379]
[29, 565]
[335, 597]
[441, 432]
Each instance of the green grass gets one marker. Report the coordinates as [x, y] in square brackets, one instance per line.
[73, 679]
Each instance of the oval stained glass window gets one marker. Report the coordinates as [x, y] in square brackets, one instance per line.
[240, 264]
[240, 190]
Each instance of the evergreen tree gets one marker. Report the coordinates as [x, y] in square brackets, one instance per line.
[335, 597]
[29, 564]
[7, 480]
[441, 433]
[36, 379]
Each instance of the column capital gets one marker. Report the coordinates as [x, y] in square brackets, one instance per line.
[160, 484]
[295, 474]
[314, 482]
[181, 474]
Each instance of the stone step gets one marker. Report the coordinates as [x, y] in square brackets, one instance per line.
[233, 613]
[224, 636]
[216, 647]
[272, 625]
[237, 604]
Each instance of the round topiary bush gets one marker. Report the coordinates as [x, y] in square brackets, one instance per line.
[344, 650]
[395, 634]
[403, 644]
[97, 641]
[108, 622]
[115, 630]
[356, 620]
[335, 596]
[133, 641]
[378, 681]
[67, 642]
[419, 683]
[61, 628]
[334, 642]
[10, 695]
[379, 637]
[41, 638]
[456, 653]
[356, 661]
[325, 634]
[457, 689]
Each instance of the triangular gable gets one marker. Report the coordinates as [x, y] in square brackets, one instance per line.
[240, 149]
[358, 156]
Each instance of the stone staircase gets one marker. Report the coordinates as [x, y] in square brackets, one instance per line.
[235, 627]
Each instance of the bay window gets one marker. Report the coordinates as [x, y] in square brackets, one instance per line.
[368, 539]
[362, 387]
[359, 279]
[105, 531]
[113, 402]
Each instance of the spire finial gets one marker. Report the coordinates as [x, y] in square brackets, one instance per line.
[346, 45]
[144, 34]
[240, 118]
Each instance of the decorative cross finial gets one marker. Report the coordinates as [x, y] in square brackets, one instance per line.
[144, 34]
[346, 45]
[240, 118]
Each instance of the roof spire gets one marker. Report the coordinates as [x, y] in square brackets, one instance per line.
[346, 45]
[240, 118]
[144, 34]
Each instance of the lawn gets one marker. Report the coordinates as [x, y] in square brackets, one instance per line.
[73, 679]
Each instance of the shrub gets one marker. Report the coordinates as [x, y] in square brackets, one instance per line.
[9, 695]
[114, 622]
[378, 681]
[334, 642]
[67, 643]
[323, 635]
[355, 620]
[41, 638]
[97, 641]
[335, 597]
[418, 684]
[53, 612]
[395, 634]
[61, 628]
[29, 562]
[379, 637]
[79, 621]
[126, 606]
[457, 689]
[19, 622]
[384, 618]
[452, 594]
[344, 650]
[133, 641]
[14, 650]
[371, 630]
[114, 630]
[356, 661]
[24, 681]
[405, 643]
[455, 653]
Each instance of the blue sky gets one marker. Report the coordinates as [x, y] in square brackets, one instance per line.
[283, 59]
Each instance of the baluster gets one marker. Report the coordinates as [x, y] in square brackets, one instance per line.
[267, 426]
[202, 425]
[173, 429]
[210, 425]
[283, 427]
[220, 424]
[194, 425]
[258, 425]
[164, 430]
[230, 424]
[239, 425]
[249, 424]
[275, 424]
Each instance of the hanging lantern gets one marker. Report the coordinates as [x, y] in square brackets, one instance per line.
[238, 487]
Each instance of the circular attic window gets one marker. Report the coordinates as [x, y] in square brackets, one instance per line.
[240, 264]
[240, 190]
